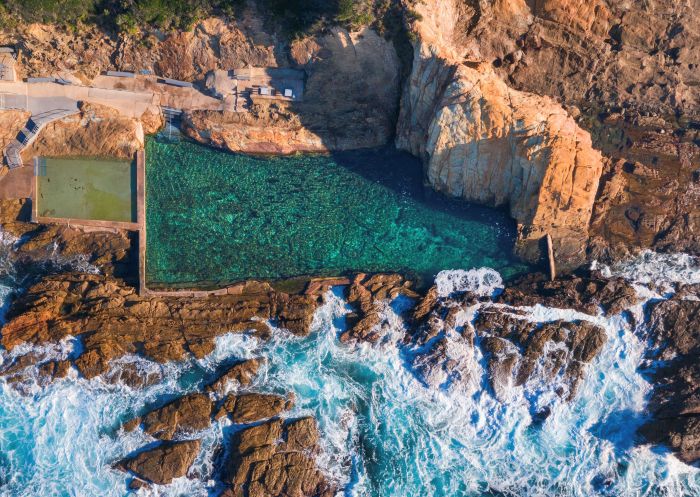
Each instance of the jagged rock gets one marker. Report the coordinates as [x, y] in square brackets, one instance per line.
[240, 374]
[183, 415]
[131, 375]
[114, 320]
[132, 424]
[368, 294]
[162, 464]
[55, 369]
[275, 459]
[674, 329]
[251, 407]
[518, 349]
[602, 67]
[583, 291]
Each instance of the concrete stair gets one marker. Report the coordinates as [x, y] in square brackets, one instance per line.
[13, 151]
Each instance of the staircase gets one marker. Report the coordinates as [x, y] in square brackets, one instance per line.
[13, 151]
[173, 122]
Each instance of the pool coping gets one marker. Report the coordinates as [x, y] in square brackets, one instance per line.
[235, 288]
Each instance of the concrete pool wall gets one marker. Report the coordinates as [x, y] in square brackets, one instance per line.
[86, 192]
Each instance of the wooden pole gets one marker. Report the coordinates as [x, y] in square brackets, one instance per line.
[550, 255]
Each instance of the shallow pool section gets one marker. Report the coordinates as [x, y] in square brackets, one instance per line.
[86, 189]
[214, 218]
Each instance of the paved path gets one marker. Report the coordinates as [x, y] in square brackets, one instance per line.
[132, 97]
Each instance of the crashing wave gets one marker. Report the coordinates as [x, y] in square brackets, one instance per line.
[384, 434]
[483, 282]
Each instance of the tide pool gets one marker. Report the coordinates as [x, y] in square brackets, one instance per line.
[215, 217]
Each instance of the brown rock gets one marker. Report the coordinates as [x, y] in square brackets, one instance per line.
[113, 320]
[263, 465]
[132, 424]
[251, 407]
[583, 291]
[97, 130]
[367, 293]
[240, 374]
[610, 84]
[674, 329]
[161, 465]
[55, 369]
[183, 415]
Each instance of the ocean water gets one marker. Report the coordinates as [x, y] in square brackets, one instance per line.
[215, 217]
[385, 433]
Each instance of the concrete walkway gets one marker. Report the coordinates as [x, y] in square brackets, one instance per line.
[131, 97]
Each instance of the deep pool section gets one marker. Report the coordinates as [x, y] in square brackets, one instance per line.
[215, 217]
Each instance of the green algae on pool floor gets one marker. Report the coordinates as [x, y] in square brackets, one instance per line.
[86, 188]
[214, 218]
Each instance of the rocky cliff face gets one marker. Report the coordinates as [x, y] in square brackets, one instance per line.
[351, 92]
[97, 130]
[350, 101]
[510, 103]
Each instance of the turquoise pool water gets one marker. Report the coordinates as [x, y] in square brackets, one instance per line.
[215, 217]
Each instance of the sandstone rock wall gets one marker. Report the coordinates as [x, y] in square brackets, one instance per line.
[350, 101]
[623, 72]
[485, 142]
[352, 84]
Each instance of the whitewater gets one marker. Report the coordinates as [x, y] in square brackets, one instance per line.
[385, 432]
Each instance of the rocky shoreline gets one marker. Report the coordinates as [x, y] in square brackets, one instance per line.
[274, 455]
[539, 109]
[582, 120]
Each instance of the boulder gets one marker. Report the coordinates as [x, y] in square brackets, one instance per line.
[183, 415]
[240, 374]
[674, 331]
[368, 294]
[275, 459]
[251, 407]
[164, 463]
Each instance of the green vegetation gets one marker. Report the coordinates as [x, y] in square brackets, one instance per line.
[293, 17]
[120, 15]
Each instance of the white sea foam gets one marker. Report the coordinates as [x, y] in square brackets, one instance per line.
[384, 432]
[483, 281]
[657, 269]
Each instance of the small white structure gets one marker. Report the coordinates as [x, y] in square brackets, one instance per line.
[265, 90]
[288, 93]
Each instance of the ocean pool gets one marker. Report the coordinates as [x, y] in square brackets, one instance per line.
[214, 218]
[86, 189]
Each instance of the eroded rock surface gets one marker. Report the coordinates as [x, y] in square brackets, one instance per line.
[369, 294]
[276, 458]
[184, 415]
[674, 330]
[519, 351]
[113, 320]
[240, 374]
[251, 407]
[585, 291]
[162, 464]
[573, 78]
[97, 130]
